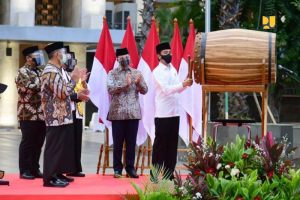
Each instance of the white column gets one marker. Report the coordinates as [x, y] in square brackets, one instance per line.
[22, 12]
[9, 66]
[92, 13]
[140, 6]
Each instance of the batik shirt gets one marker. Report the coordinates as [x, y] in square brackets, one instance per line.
[29, 90]
[124, 99]
[56, 93]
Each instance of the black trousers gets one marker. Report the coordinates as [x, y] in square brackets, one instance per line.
[78, 141]
[124, 131]
[165, 143]
[33, 136]
[59, 157]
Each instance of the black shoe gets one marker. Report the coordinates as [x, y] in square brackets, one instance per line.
[55, 182]
[172, 177]
[76, 174]
[4, 182]
[27, 175]
[37, 174]
[64, 178]
[118, 174]
[132, 174]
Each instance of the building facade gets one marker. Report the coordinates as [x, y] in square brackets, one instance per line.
[78, 23]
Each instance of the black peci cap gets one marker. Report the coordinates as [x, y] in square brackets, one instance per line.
[2, 87]
[121, 52]
[54, 46]
[30, 50]
[162, 46]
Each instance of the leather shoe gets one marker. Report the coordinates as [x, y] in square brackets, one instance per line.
[27, 175]
[37, 174]
[55, 182]
[64, 178]
[118, 174]
[76, 174]
[132, 174]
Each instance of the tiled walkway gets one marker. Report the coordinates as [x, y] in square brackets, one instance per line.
[9, 148]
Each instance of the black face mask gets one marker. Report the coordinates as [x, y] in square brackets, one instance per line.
[125, 62]
[167, 58]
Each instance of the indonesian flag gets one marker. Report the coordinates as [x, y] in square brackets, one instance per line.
[191, 98]
[147, 64]
[176, 46]
[129, 43]
[104, 61]
[177, 52]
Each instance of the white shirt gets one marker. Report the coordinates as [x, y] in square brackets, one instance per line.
[167, 87]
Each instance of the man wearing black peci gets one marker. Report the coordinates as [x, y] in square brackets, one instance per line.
[30, 114]
[124, 84]
[78, 97]
[167, 89]
[59, 155]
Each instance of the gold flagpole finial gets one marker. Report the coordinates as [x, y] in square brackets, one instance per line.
[175, 21]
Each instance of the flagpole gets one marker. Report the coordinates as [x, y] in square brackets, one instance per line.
[190, 120]
[207, 29]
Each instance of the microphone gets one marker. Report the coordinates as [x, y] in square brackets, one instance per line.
[285, 69]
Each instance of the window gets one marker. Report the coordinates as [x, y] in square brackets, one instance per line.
[108, 14]
[126, 14]
[48, 12]
[118, 20]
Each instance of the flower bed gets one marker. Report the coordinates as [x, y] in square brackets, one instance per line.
[244, 170]
[249, 170]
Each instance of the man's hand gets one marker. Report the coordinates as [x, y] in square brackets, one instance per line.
[187, 82]
[83, 95]
[138, 79]
[128, 79]
[84, 74]
[79, 73]
[75, 74]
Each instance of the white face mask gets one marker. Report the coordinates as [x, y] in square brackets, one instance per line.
[63, 59]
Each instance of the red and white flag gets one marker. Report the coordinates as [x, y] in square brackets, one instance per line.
[104, 61]
[147, 64]
[191, 98]
[176, 46]
[177, 52]
[129, 43]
